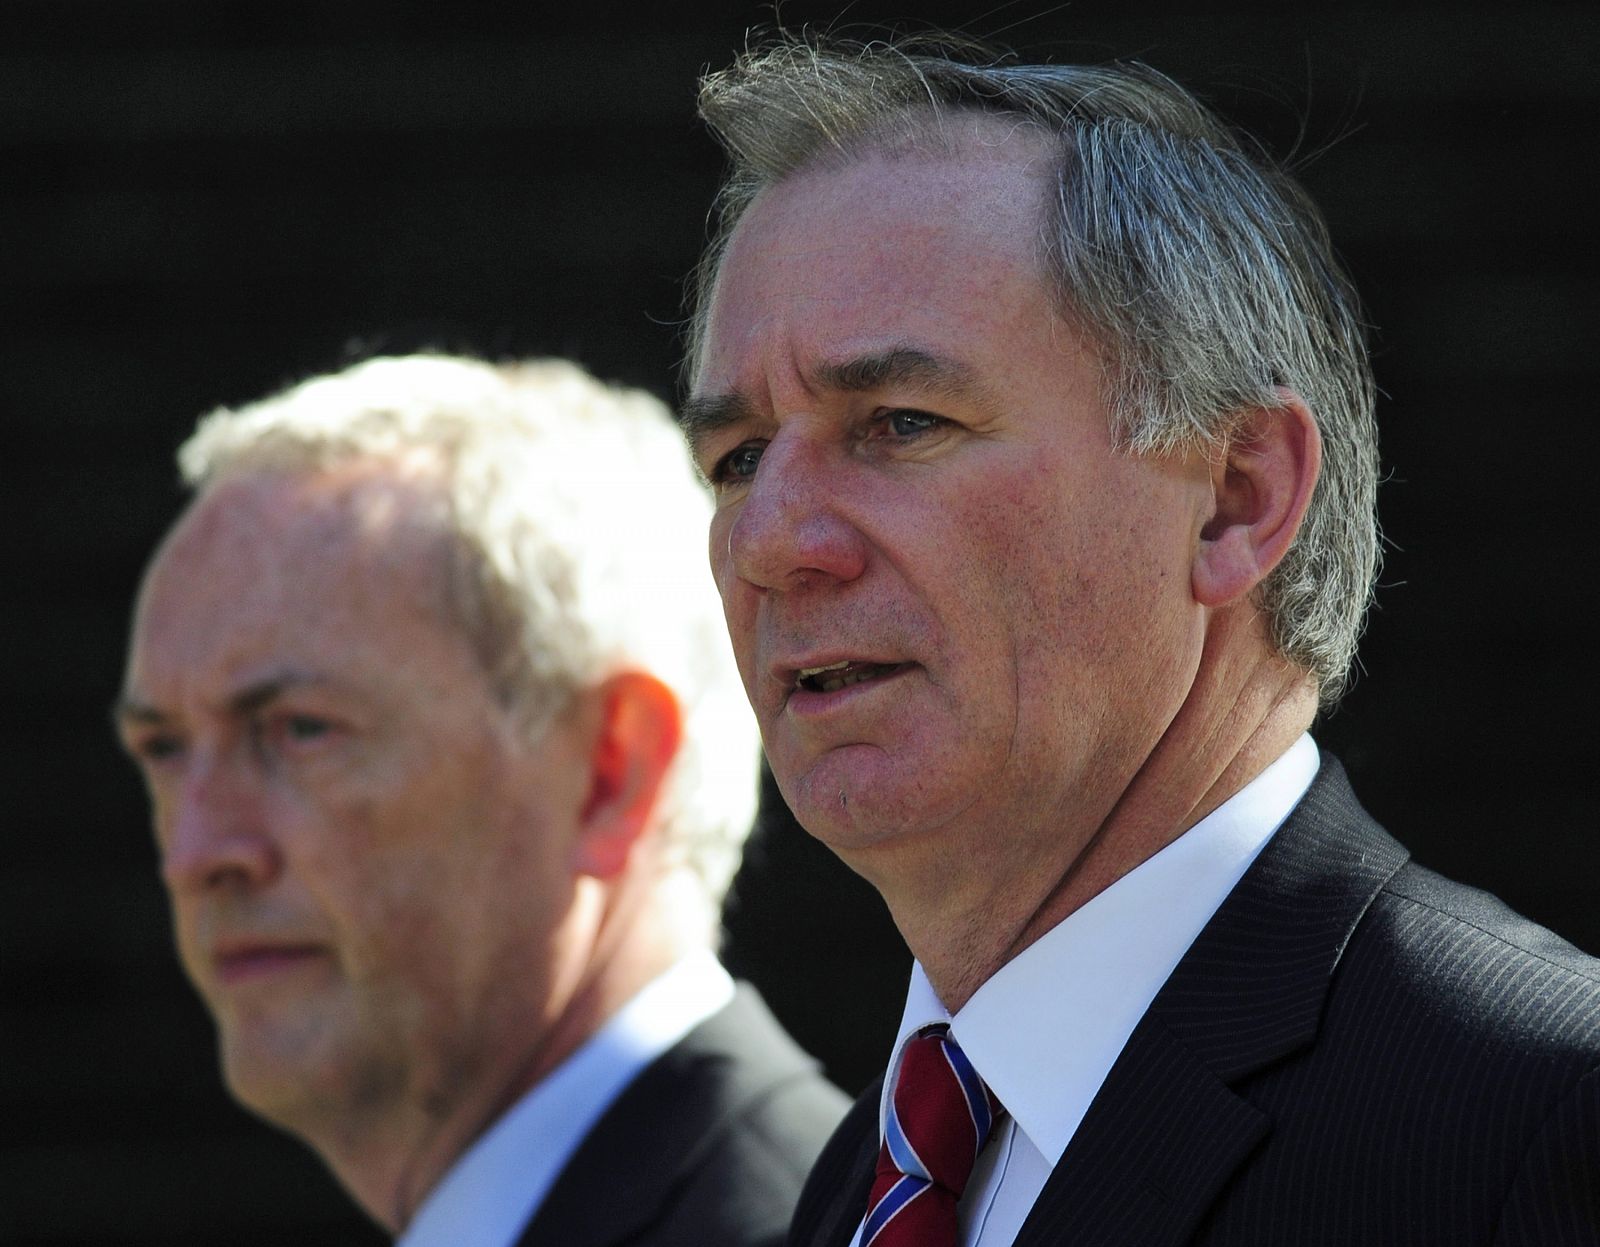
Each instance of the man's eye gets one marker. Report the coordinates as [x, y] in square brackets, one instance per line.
[157, 748]
[907, 422]
[739, 464]
[305, 727]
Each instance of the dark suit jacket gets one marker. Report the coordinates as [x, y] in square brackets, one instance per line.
[1355, 1051]
[707, 1147]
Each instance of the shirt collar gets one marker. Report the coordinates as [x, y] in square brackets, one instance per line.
[498, 1183]
[1046, 1028]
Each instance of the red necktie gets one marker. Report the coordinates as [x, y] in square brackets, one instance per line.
[939, 1118]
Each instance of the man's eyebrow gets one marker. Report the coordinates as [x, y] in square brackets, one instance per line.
[908, 366]
[259, 693]
[703, 415]
[130, 709]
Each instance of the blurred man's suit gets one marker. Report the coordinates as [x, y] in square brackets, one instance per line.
[727, 1112]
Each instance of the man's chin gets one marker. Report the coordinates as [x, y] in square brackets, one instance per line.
[286, 1075]
[852, 811]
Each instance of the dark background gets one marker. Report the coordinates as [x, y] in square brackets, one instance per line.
[203, 200]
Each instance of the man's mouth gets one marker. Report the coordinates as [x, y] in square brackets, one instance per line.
[838, 675]
[242, 963]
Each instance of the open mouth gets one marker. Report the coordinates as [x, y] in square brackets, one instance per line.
[835, 676]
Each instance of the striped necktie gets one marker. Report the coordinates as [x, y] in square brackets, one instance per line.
[939, 1118]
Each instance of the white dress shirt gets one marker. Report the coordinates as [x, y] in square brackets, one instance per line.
[1044, 1031]
[492, 1191]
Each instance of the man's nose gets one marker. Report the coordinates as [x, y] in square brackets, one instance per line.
[214, 833]
[792, 529]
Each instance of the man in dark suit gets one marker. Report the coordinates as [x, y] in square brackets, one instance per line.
[1040, 421]
[449, 768]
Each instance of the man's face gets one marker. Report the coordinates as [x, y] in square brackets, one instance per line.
[368, 870]
[916, 477]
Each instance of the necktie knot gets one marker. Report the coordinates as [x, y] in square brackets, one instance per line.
[940, 1116]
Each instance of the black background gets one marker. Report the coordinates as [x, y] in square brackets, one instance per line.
[203, 200]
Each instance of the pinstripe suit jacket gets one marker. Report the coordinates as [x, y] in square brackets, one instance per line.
[1354, 1051]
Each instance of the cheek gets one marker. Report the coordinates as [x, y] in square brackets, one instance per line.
[719, 550]
[189, 941]
[362, 865]
[739, 601]
[727, 582]
[717, 539]
[1068, 580]
[1017, 561]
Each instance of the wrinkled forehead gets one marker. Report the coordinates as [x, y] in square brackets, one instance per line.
[962, 143]
[999, 171]
[914, 232]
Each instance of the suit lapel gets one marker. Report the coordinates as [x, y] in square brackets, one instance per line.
[632, 1162]
[1168, 1128]
[842, 1219]
[1160, 1139]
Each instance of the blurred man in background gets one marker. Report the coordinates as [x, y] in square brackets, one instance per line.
[450, 768]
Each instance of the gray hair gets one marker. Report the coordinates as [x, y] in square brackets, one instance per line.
[1201, 270]
[578, 526]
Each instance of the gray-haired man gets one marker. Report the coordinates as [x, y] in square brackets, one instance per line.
[1040, 421]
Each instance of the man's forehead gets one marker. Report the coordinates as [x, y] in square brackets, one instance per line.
[985, 165]
[971, 157]
[974, 186]
[875, 278]
[266, 518]
[258, 557]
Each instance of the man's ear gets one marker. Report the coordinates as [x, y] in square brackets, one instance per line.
[1261, 488]
[636, 738]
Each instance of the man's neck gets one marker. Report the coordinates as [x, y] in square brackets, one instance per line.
[962, 926]
[390, 1163]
